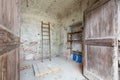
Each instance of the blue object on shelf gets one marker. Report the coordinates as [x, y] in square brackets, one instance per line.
[79, 59]
[74, 57]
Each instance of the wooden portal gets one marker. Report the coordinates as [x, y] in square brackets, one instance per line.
[9, 39]
[101, 40]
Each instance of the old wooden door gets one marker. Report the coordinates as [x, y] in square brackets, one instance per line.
[100, 49]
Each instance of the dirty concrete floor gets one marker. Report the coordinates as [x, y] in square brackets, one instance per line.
[70, 70]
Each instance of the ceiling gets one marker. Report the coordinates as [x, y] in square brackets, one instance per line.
[56, 8]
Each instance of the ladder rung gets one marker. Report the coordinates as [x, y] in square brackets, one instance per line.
[45, 35]
[45, 23]
[45, 42]
[45, 31]
[45, 28]
[45, 39]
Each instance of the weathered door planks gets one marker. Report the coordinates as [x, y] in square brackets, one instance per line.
[10, 15]
[9, 39]
[100, 41]
[9, 65]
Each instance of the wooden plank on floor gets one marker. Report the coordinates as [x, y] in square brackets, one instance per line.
[25, 67]
[41, 69]
[35, 69]
[48, 72]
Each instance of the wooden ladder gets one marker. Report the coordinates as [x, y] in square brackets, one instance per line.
[45, 28]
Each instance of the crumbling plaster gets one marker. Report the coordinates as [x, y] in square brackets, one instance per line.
[31, 32]
[74, 17]
[60, 13]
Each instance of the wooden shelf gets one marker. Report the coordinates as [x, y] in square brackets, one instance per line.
[77, 52]
[75, 32]
[74, 41]
[75, 38]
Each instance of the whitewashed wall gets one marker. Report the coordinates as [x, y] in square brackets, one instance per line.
[31, 36]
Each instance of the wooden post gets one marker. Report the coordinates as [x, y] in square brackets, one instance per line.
[49, 41]
[27, 3]
[42, 39]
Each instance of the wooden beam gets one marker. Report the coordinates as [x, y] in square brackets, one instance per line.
[80, 41]
[7, 48]
[100, 42]
[45, 23]
[75, 32]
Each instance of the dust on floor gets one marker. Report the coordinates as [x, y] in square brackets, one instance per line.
[70, 70]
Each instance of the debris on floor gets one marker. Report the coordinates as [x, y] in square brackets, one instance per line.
[57, 69]
[41, 69]
[48, 72]
[25, 67]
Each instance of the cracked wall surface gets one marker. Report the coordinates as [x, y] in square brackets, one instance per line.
[60, 13]
[31, 32]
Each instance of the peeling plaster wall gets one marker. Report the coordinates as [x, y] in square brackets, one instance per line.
[73, 17]
[31, 37]
[31, 27]
[60, 17]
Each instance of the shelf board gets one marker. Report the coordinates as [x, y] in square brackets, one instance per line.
[75, 32]
[74, 41]
[77, 52]
[8, 31]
